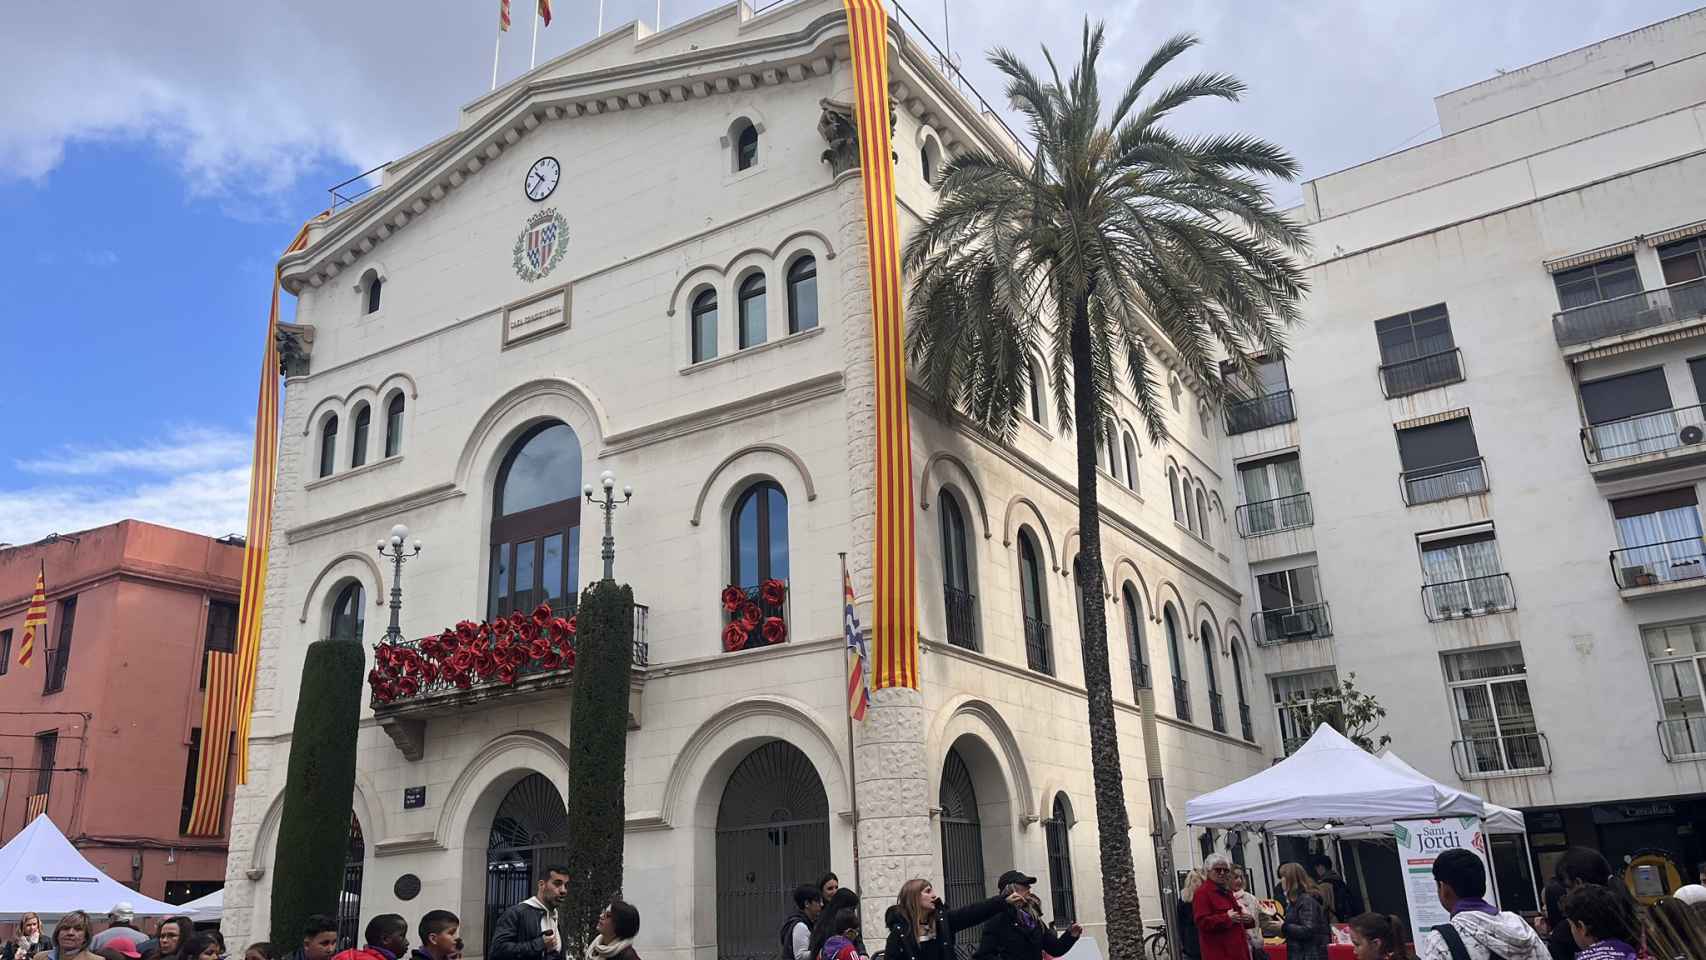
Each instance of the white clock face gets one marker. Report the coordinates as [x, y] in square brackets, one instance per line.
[542, 178]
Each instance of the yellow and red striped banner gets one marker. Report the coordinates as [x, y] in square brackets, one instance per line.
[34, 618]
[894, 608]
[545, 12]
[503, 15]
[230, 697]
[34, 807]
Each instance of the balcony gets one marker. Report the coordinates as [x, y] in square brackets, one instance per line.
[961, 607]
[1636, 312]
[1217, 711]
[1470, 597]
[1509, 755]
[1682, 738]
[1181, 698]
[1272, 516]
[1038, 651]
[1665, 438]
[1244, 724]
[1444, 482]
[1404, 377]
[1660, 567]
[755, 616]
[1268, 410]
[1139, 676]
[1310, 621]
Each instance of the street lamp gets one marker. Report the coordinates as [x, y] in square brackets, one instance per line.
[393, 550]
[608, 504]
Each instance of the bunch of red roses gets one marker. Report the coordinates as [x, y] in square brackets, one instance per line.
[471, 653]
[746, 616]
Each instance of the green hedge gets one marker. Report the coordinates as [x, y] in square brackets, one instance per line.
[598, 752]
[313, 832]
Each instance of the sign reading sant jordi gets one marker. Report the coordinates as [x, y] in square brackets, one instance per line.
[1420, 842]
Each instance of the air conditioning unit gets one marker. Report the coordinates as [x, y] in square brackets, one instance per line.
[1636, 576]
[1691, 435]
[1297, 625]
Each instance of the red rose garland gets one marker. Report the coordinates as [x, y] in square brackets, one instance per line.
[734, 637]
[499, 651]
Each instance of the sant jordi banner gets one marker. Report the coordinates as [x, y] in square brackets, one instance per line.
[1419, 843]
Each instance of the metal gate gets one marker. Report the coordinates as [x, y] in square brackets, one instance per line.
[530, 832]
[962, 846]
[772, 835]
[349, 898]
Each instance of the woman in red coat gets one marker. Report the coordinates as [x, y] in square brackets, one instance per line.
[1221, 922]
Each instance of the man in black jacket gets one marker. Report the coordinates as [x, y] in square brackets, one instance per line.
[1019, 932]
[528, 930]
[797, 929]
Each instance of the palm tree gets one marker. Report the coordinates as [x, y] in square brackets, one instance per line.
[1116, 237]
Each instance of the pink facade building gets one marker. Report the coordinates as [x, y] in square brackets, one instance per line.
[103, 729]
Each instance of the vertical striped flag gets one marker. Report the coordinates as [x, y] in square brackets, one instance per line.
[544, 11]
[35, 618]
[503, 15]
[858, 688]
[894, 611]
[35, 806]
[230, 696]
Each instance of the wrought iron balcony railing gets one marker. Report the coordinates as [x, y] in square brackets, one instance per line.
[1310, 621]
[1672, 561]
[1267, 410]
[1039, 653]
[1217, 711]
[760, 617]
[1181, 698]
[1682, 738]
[1140, 679]
[1470, 597]
[1272, 516]
[1509, 755]
[1403, 377]
[1244, 724]
[1444, 481]
[1631, 313]
[1656, 432]
[961, 608]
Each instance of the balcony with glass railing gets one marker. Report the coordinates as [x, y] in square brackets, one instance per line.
[1403, 377]
[1661, 437]
[1633, 313]
[1272, 516]
[1268, 410]
[1445, 481]
[1308, 621]
[1660, 567]
[1508, 754]
[1469, 597]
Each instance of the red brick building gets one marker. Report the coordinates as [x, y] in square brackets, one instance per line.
[103, 728]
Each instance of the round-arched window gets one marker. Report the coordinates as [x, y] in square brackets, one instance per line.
[802, 295]
[349, 613]
[536, 522]
[704, 332]
[752, 311]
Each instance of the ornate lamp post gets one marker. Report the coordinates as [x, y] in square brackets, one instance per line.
[393, 550]
[608, 504]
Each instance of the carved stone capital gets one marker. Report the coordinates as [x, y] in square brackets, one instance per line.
[295, 346]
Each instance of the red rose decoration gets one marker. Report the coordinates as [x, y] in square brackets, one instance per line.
[574, 624]
[551, 661]
[463, 661]
[539, 649]
[465, 631]
[569, 657]
[775, 631]
[407, 687]
[463, 681]
[506, 675]
[734, 637]
[374, 677]
[516, 619]
[500, 628]
[530, 632]
[732, 598]
[559, 628]
[542, 614]
[773, 592]
[750, 615]
[430, 673]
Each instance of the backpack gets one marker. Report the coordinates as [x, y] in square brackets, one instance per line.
[788, 935]
[1454, 943]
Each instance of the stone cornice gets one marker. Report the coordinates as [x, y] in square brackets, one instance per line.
[135, 571]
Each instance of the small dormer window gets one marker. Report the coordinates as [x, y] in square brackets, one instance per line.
[746, 148]
[374, 286]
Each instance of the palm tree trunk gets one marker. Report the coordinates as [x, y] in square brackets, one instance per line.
[1113, 826]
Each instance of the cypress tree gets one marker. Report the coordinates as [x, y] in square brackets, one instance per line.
[313, 831]
[598, 752]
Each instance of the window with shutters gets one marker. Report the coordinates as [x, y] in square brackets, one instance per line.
[1683, 260]
[1629, 415]
[1595, 282]
[59, 655]
[1441, 461]
[1495, 719]
[1658, 538]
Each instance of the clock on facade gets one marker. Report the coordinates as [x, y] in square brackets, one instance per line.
[542, 178]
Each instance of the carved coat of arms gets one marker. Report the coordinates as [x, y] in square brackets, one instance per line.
[541, 245]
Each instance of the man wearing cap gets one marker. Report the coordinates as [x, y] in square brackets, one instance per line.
[1019, 932]
[121, 922]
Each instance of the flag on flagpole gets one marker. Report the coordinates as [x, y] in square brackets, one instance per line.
[858, 688]
[545, 11]
[34, 618]
[503, 15]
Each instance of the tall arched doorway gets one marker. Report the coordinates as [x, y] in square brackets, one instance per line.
[772, 833]
[530, 832]
[349, 898]
[962, 845]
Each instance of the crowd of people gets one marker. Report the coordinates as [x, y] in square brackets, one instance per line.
[74, 938]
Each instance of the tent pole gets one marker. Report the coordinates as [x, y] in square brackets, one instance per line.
[1492, 865]
[1533, 871]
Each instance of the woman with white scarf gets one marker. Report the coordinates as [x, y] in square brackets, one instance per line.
[618, 925]
[29, 939]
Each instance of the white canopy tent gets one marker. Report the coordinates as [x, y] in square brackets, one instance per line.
[41, 871]
[1329, 782]
[208, 909]
[1496, 819]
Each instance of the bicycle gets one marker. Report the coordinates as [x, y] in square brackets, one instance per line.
[1156, 945]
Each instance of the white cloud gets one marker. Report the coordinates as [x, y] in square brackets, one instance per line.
[188, 449]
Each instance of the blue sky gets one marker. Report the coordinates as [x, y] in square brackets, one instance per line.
[155, 159]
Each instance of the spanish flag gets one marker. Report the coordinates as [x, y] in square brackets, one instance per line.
[545, 11]
[35, 617]
[503, 16]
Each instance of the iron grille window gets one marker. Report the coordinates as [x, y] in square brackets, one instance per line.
[1057, 838]
[1033, 605]
[59, 658]
[1176, 662]
[1604, 280]
[1134, 640]
[958, 600]
[1495, 718]
[47, 754]
[1677, 656]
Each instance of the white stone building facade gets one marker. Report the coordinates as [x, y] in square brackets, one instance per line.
[705, 336]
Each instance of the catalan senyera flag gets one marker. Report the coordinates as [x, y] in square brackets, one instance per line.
[894, 609]
[858, 688]
[35, 806]
[503, 16]
[545, 11]
[35, 618]
[230, 696]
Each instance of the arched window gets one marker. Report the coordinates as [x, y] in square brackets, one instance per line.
[394, 425]
[752, 311]
[358, 436]
[1111, 440]
[1034, 382]
[1216, 709]
[1188, 491]
[1130, 461]
[1134, 638]
[536, 516]
[958, 600]
[349, 613]
[1078, 590]
[1055, 837]
[802, 295]
[1173, 488]
[329, 446]
[930, 160]
[374, 286]
[1244, 725]
[704, 326]
[1033, 604]
[746, 147]
[1202, 514]
[758, 552]
[1176, 662]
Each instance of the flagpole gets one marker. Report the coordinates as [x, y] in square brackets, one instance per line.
[659, 21]
[495, 48]
[852, 762]
[601, 18]
[533, 53]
